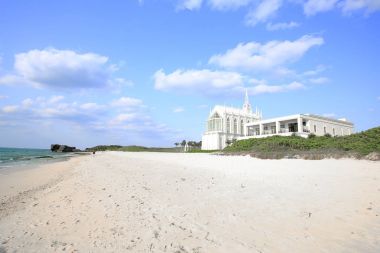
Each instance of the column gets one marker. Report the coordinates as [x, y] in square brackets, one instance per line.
[277, 127]
[300, 125]
[261, 128]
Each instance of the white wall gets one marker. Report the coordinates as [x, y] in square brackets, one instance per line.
[340, 129]
[211, 141]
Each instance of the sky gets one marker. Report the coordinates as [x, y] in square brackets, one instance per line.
[147, 72]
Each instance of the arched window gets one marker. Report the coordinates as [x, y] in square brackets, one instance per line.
[235, 126]
[242, 127]
[228, 125]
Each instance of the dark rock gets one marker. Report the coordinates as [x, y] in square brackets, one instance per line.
[63, 148]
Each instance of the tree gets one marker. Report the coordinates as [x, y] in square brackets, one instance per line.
[183, 143]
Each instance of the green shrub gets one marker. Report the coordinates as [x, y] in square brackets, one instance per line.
[361, 143]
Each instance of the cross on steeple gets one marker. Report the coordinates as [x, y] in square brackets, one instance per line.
[247, 105]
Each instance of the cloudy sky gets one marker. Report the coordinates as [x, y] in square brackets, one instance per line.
[147, 72]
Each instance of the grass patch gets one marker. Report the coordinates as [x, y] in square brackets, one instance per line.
[130, 149]
[358, 145]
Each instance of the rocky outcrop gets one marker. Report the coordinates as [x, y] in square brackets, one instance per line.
[63, 148]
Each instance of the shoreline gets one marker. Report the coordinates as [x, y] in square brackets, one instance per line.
[191, 202]
[20, 183]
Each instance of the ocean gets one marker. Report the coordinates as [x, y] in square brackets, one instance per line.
[24, 157]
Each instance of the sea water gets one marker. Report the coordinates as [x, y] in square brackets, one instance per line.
[24, 157]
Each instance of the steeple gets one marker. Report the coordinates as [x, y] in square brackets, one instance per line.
[247, 105]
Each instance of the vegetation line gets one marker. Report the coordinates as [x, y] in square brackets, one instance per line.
[357, 145]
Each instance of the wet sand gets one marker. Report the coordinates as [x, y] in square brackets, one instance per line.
[167, 202]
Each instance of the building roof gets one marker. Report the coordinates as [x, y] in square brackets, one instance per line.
[294, 116]
[220, 109]
[343, 121]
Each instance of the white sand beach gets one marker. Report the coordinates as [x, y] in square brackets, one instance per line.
[167, 202]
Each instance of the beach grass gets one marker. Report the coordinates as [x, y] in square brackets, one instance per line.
[132, 148]
[355, 145]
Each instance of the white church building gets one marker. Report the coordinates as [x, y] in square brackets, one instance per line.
[226, 124]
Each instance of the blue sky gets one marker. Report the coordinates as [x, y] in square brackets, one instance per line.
[147, 72]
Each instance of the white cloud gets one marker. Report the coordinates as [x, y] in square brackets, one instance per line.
[178, 109]
[91, 107]
[127, 102]
[3, 97]
[9, 108]
[189, 5]
[281, 26]
[124, 117]
[11, 79]
[353, 5]
[62, 69]
[319, 80]
[73, 118]
[228, 4]
[311, 7]
[205, 80]
[378, 98]
[55, 99]
[260, 11]
[265, 10]
[319, 69]
[256, 56]
[264, 88]
[28, 102]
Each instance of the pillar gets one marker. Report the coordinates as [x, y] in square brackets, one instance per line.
[261, 129]
[299, 123]
[277, 127]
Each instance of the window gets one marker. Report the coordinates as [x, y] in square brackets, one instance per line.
[257, 131]
[242, 127]
[228, 125]
[324, 130]
[315, 128]
[235, 126]
[334, 131]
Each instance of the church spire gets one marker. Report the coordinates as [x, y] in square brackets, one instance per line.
[247, 105]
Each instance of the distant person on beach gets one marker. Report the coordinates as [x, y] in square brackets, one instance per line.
[93, 152]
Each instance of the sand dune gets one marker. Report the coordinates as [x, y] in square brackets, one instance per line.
[165, 202]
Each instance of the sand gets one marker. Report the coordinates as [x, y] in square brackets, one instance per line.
[166, 202]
